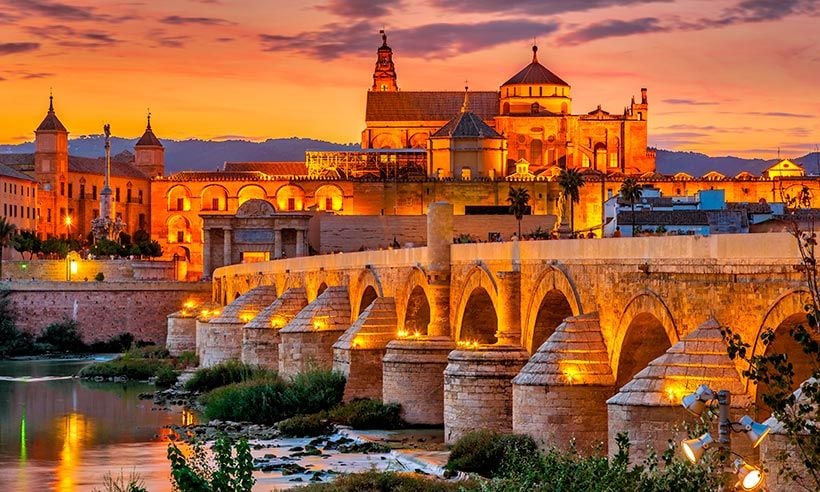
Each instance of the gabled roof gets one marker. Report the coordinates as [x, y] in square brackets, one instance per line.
[51, 123]
[427, 106]
[91, 165]
[13, 173]
[535, 73]
[466, 125]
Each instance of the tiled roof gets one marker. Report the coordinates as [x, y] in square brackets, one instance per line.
[427, 106]
[13, 173]
[654, 201]
[218, 176]
[750, 208]
[667, 218]
[148, 139]
[51, 122]
[17, 160]
[535, 73]
[290, 168]
[92, 165]
[698, 358]
[466, 125]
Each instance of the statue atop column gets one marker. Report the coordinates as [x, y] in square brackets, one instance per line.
[107, 226]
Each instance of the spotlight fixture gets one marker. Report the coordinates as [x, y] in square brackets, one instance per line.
[694, 448]
[755, 431]
[696, 402]
[749, 477]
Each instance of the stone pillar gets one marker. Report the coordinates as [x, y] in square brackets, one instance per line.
[181, 336]
[439, 241]
[207, 266]
[439, 295]
[227, 245]
[509, 308]
[478, 389]
[277, 243]
[300, 242]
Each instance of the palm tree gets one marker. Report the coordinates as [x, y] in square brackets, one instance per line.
[7, 230]
[571, 183]
[519, 199]
[631, 192]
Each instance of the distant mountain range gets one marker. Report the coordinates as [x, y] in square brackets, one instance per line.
[210, 155]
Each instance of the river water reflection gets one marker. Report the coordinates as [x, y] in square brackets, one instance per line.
[60, 433]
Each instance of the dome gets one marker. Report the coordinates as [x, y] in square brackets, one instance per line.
[535, 74]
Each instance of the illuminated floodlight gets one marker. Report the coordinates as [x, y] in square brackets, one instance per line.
[694, 448]
[749, 477]
[696, 402]
[755, 431]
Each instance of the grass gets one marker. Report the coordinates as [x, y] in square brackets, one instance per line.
[358, 414]
[141, 364]
[484, 452]
[267, 400]
[389, 482]
[210, 378]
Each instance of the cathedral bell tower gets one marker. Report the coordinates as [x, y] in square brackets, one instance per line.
[384, 77]
[51, 149]
[149, 154]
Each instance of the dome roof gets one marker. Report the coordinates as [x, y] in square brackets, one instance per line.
[51, 122]
[535, 73]
[469, 125]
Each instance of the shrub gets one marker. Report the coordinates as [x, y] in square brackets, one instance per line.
[132, 483]
[388, 482]
[116, 344]
[316, 424]
[14, 342]
[186, 359]
[166, 377]
[225, 373]
[63, 337]
[368, 414]
[485, 452]
[270, 400]
[314, 390]
[99, 277]
[230, 470]
[258, 401]
[128, 367]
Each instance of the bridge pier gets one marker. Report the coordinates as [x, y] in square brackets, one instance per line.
[649, 406]
[222, 335]
[560, 395]
[260, 338]
[307, 341]
[181, 335]
[359, 352]
[478, 389]
[414, 377]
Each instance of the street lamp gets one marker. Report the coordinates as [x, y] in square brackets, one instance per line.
[749, 477]
[68, 222]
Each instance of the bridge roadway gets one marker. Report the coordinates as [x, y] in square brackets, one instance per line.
[567, 339]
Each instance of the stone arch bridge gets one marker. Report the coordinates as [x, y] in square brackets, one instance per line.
[569, 339]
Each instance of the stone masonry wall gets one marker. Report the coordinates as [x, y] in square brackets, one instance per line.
[114, 270]
[104, 309]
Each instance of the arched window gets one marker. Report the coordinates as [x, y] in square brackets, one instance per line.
[251, 192]
[179, 199]
[535, 108]
[214, 199]
[179, 230]
[290, 198]
[506, 109]
[329, 198]
[536, 153]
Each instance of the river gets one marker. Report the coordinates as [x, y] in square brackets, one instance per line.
[58, 432]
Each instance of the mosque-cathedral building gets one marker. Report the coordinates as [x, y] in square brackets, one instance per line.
[417, 147]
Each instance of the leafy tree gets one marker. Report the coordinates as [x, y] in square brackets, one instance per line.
[140, 236]
[106, 247]
[7, 231]
[519, 199]
[631, 192]
[151, 248]
[775, 372]
[125, 238]
[26, 242]
[55, 245]
[571, 183]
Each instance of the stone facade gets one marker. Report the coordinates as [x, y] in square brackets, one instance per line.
[260, 340]
[103, 309]
[83, 270]
[478, 389]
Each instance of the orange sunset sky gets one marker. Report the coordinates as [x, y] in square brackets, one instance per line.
[733, 77]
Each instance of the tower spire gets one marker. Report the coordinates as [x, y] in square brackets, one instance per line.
[384, 37]
[466, 105]
[534, 52]
[148, 128]
[50, 100]
[384, 76]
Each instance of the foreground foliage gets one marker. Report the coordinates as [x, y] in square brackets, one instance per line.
[140, 364]
[514, 464]
[122, 483]
[231, 469]
[269, 400]
[374, 481]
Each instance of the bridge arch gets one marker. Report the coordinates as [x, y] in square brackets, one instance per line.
[364, 291]
[414, 312]
[554, 299]
[645, 331]
[786, 312]
[477, 309]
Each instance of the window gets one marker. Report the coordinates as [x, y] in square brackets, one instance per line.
[128, 195]
[141, 222]
[215, 204]
[62, 215]
[328, 203]
[49, 215]
[530, 90]
[139, 196]
[70, 190]
[291, 203]
[82, 191]
[94, 192]
[116, 194]
[62, 188]
[180, 203]
[180, 236]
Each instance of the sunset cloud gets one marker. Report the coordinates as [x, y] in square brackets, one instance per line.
[203, 21]
[429, 40]
[12, 48]
[690, 102]
[360, 8]
[540, 7]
